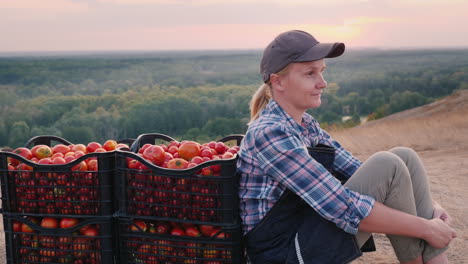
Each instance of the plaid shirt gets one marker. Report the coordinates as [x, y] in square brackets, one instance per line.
[273, 156]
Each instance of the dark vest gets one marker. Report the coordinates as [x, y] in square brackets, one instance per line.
[293, 232]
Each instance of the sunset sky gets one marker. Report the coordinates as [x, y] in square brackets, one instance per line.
[107, 25]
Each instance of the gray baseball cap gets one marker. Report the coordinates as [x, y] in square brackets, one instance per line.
[295, 46]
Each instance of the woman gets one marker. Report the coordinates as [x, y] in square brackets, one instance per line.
[294, 208]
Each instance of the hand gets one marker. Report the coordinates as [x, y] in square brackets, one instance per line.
[440, 213]
[439, 234]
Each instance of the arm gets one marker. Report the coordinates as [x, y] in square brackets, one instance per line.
[383, 219]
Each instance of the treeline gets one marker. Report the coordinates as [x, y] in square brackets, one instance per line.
[201, 95]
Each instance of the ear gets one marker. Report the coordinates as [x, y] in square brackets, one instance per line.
[277, 82]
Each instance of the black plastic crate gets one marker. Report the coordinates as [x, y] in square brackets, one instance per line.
[188, 194]
[58, 245]
[178, 194]
[137, 246]
[58, 190]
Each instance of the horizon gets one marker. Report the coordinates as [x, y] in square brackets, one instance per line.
[53, 53]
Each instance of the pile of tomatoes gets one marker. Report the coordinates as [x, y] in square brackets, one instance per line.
[81, 246]
[186, 250]
[62, 154]
[183, 155]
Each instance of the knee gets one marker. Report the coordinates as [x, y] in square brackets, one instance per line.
[387, 160]
[405, 153]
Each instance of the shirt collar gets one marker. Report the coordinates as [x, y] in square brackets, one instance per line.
[274, 108]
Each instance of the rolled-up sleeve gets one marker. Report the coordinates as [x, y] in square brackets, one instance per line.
[283, 157]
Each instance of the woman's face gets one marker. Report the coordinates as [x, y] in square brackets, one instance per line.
[303, 84]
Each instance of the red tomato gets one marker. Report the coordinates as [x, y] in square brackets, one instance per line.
[92, 165]
[233, 150]
[61, 148]
[227, 155]
[59, 160]
[23, 152]
[212, 144]
[68, 222]
[69, 159]
[79, 154]
[57, 155]
[46, 161]
[82, 166]
[17, 226]
[133, 164]
[206, 152]
[191, 165]
[110, 145]
[138, 226]
[35, 148]
[80, 147]
[162, 228]
[43, 152]
[189, 149]
[217, 234]
[192, 231]
[92, 146]
[24, 167]
[144, 147]
[49, 222]
[154, 154]
[26, 229]
[91, 231]
[220, 147]
[168, 156]
[197, 160]
[207, 171]
[164, 147]
[174, 143]
[100, 150]
[177, 164]
[177, 231]
[173, 150]
[206, 230]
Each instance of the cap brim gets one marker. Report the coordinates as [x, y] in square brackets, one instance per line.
[322, 50]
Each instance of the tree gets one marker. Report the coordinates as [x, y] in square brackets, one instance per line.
[19, 134]
[406, 100]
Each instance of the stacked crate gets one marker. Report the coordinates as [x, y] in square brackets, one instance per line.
[177, 216]
[33, 193]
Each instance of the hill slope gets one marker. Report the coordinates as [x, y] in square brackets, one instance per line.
[439, 133]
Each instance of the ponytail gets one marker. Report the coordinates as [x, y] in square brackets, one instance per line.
[259, 101]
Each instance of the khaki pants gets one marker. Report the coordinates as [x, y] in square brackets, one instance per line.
[397, 179]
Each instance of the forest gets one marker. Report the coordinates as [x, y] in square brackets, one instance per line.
[201, 95]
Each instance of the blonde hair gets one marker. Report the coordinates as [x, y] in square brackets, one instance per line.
[259, 100]
[262, 96]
